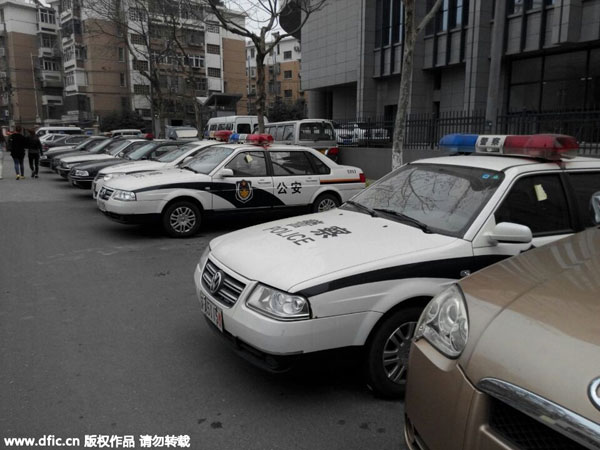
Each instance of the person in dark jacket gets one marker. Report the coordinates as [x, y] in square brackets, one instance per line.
[16, 147]
[34, 151]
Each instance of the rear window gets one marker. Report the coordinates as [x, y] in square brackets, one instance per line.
[244, 128]
[316, 131]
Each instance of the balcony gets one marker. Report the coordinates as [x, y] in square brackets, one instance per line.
[52, 100]
[48, 52]
[51, 78]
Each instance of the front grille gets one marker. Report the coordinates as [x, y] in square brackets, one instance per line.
[527, 433]
[230, 289]
[105, 193]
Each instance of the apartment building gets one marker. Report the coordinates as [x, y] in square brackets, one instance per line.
[282, 72]
[31, 84]
[506, 57]
[61, 62]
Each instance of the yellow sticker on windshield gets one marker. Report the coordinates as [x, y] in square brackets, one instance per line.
[540, 193]
[248, 159]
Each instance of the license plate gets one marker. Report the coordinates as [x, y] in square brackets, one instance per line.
[213, 312]
[347, 141]
[102, 205]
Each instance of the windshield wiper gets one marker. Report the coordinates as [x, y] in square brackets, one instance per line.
[361, 207]
[404, 218]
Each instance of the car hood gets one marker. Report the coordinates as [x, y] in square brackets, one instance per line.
[135, 166]
[536, 322]
[60, 148]
[155, 179]
[276, 254]
[85, 158]
[97, 165]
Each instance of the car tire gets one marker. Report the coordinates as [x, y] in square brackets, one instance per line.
[387, 353]
[181, 219]
[325, 202]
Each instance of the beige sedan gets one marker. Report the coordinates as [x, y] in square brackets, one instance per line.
[509, 358]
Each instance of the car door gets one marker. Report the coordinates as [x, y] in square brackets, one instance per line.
[250, 187]
[294, 178]
[538, 201]
[585, 186]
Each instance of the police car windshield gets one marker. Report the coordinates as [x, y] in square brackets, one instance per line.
[174, 154]
[208, 159]
[445, 199]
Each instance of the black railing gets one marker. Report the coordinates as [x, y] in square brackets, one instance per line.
[424, 130]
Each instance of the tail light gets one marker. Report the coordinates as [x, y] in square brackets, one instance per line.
[362, 177]
[333, 151]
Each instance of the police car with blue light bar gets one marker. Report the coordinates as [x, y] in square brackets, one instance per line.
[359, 276]
[230, 178]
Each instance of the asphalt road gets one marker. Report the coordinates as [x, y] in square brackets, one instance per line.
[101, 334]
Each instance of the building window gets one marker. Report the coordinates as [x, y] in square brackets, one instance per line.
[196, 38]
[141, 89]
[202, 84]
[287, 93]
[196, 61]
[287, 74]
[252, 72]
[50, 65]
[66, 5]
[1, 15]
[70, 79]
[124, 103]
[212, 27]
[137, 39]
[214, 49]
[136, 14]
[122, 81]
[389, 22]
[252, 52]
[81, 52]
[287, 54]
[214, 72]
[121, 52]
[47, 16]
[140, 65]
[68, 53]
[48, 40]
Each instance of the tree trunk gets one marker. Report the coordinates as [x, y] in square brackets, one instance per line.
[405, 84]
[260, 90]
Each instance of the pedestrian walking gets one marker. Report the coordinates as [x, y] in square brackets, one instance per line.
[16, 147]
[2, 151]
[34, 151]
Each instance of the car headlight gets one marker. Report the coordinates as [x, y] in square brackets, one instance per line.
[125, 196]
[445, 323]
[65, 165]
[277, 304]
[82, 173]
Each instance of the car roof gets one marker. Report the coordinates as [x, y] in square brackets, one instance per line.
[495, 162]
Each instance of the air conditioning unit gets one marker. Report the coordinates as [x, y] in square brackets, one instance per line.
[2, 52]
[2, 75]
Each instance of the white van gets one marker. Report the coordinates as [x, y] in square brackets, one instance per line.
[236, 124]
[126, 132]
[315, 133]
[58, 130]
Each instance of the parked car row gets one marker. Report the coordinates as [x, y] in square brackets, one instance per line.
[504, 358]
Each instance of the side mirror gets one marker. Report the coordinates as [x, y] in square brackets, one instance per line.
[509, 233]
[224, 173]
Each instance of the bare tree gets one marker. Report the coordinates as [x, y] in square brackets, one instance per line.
[265, 16]
[160, 36]
[410, 38]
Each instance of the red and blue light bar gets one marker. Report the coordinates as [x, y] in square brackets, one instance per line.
[262, 140]
[459, 143]
[552, 147]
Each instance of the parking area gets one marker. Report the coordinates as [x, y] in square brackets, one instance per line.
[102, 334]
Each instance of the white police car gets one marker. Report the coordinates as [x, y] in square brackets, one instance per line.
[173, 154]
[360, 275]
[230, 178]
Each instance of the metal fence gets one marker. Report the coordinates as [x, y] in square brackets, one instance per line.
[424, 130]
